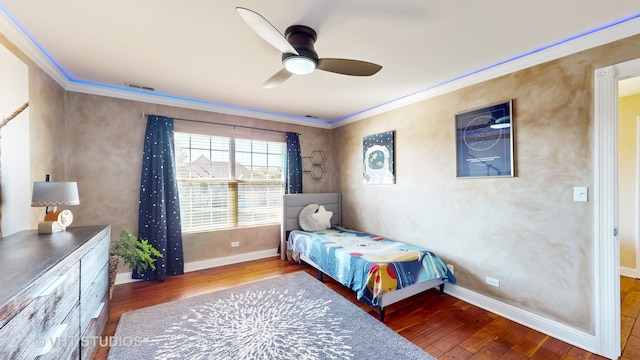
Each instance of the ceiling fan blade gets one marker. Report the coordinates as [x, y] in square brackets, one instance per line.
[277, 79]
[267, 31]
[348, 67]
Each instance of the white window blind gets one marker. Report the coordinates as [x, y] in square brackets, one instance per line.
[227, 182]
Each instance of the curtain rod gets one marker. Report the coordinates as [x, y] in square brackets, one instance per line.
[223, 124]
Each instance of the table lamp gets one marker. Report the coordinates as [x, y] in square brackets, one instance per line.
[53, 194]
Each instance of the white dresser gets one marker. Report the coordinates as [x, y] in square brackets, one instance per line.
[54, 301]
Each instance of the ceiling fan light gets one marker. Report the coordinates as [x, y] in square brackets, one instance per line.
[299, 65]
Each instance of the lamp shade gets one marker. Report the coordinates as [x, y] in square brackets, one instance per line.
[49, 193]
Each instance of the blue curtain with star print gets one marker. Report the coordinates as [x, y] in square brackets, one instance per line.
[293, 165]
[159, 208]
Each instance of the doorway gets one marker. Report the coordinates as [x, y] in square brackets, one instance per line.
[606, 221]
[628, 158]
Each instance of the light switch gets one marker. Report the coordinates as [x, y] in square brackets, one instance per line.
[580, 193]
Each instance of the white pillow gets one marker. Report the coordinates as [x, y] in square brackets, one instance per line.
[309, 220]
[323, 217]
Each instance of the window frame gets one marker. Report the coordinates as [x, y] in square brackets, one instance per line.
[234, 185]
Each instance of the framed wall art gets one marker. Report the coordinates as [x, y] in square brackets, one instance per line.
[378, 158]
[484, 142]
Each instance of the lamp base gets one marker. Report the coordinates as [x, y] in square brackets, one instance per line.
[50, 227]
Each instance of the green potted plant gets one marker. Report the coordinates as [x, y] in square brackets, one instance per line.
[138, 254]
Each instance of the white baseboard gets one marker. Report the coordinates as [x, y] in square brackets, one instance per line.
[552, 328]
[228, 260]
[123, 278]
[629, 272]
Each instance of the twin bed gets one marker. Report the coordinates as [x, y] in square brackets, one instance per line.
[379, 270]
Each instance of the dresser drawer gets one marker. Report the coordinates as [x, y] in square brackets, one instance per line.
[43, 318]
[63, 342]
[91, 338]
[91, 297]
[92, 262]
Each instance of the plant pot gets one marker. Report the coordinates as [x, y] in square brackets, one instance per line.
[113, 271]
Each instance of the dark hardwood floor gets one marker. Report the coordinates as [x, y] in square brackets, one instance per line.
[445, 327]
[629, 309]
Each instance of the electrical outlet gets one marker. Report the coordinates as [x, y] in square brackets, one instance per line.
[492, 281]
[450, 268]
[235, 244]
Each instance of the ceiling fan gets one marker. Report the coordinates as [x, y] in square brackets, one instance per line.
[298, 55]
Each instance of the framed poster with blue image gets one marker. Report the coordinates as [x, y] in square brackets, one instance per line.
[484, 142]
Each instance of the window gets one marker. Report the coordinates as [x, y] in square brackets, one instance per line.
[227, 182]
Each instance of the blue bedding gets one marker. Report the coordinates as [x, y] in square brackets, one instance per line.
[369, 265]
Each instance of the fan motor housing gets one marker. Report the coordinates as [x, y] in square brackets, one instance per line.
[302, 39]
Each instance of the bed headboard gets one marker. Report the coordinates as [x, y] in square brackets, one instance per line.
[293, 203]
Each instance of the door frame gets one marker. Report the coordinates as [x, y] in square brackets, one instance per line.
[605, 195]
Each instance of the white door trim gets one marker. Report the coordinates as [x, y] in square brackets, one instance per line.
[606, 236]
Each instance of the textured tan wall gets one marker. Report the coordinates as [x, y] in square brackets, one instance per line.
[105, 140]
[525, 231]
[629, 111]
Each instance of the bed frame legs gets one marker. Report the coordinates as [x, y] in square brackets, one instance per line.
[381, 309]
[441, 287]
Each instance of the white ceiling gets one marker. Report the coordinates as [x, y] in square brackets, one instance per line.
[201, 54]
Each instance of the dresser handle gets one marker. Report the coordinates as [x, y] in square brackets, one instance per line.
[99, 311]
[53, 340]
[51, 287]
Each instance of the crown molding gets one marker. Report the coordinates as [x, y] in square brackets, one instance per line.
[24, 43]
[193, 104]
